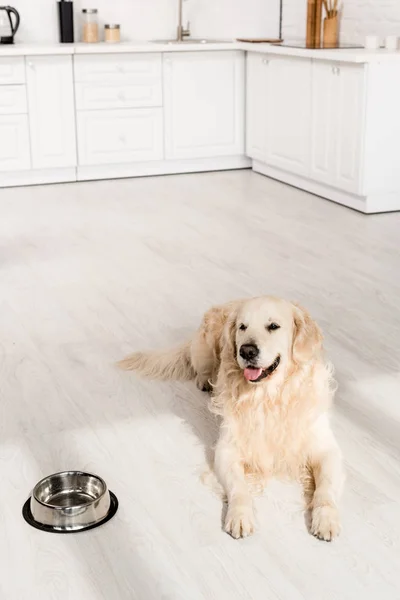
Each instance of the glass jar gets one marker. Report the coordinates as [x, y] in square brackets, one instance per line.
[90, 26]
[112, 33]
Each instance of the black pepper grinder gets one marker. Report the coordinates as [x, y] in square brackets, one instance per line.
[66, 21]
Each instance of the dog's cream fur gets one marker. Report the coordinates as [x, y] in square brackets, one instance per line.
[276, 427]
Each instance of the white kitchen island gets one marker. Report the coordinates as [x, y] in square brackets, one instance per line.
[326, 121]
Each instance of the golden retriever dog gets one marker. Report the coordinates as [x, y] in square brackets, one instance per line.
[262, 361]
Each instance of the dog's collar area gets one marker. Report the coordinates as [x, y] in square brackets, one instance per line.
[268, 371]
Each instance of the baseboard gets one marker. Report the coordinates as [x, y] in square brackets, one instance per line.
[319, 189]
[140, 169]
[387, 202]
[164, 167]
[371, 204]
[37, 177]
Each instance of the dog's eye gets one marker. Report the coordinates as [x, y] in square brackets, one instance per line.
[273, 326]
[242, 327]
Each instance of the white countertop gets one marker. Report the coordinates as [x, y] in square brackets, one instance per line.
[354, 55]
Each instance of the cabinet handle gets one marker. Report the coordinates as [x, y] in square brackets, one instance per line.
[31, 65]
[265, 61]
[335, 70]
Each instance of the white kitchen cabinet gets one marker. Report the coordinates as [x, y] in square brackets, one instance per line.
[97, 96]
[12, 70]
[351, 127]
[119, 136]
[324, 111]
[289, 111]
[257, 106]
[140, 69]
[204, 104]
[121, 81]
[51, 111]
[338, 116]
[279, 111]
[14, 143]
[327, 124]
[13, 100]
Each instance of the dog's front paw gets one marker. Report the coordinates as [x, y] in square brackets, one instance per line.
[203, 384]
[325, 524]
[240, 521]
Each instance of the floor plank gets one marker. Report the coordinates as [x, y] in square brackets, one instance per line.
[89, 271]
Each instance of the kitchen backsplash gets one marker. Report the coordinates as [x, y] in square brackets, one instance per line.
[360, 18]
[152, 19]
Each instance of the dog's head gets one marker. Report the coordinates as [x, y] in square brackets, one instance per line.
[267, 334]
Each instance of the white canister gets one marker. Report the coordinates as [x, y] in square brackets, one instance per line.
[112, 33]
[372, 42]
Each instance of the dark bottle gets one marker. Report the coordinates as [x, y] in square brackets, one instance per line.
[66, 21]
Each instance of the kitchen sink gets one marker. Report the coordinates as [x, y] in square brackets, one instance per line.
[191, 41]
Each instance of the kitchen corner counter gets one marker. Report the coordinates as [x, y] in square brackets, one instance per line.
[349, 55]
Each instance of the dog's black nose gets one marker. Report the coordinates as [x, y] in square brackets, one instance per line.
[249, 351]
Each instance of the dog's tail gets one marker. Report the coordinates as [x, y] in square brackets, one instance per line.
[173, 364]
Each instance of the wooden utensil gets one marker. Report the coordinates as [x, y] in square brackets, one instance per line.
[331, 8]
[318, 23]
[310, 36]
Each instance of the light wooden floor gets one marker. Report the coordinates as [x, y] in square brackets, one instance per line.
[91, 271]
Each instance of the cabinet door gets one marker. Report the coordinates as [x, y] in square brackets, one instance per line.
[120, 136]
[289, 114]
[257, 106]
[350, 110]
[51, 111]
[204, 104]
[14, 144]
[323, 128]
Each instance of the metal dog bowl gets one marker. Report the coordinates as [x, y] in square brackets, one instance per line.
[70, 501]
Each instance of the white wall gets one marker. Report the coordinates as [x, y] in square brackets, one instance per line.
[152, 19]
[359, 18]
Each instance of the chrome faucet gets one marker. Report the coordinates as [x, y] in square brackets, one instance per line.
[181, 31]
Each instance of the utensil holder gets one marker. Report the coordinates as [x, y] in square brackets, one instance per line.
[331, 31]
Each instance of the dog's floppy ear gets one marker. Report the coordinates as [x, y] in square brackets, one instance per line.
[230, 330]
[307, 336]
[228, 342]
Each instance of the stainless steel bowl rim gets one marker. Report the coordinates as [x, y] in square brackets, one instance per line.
[27, 515]
[70, 472]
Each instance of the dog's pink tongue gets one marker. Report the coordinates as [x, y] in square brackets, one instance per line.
[252, 374]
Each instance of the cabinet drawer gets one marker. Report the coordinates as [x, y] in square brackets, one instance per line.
[121, 68]
[12, 70]
[90, 96]
[14, 146]
[12, 99]
[120, 136]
